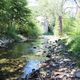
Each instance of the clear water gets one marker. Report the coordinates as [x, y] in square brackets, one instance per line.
[16, 56]
[26, 50]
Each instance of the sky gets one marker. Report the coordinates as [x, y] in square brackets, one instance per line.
[69, 3]
[32, 2]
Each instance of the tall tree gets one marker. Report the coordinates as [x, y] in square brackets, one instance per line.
[51, 9]
[45, 9]
[59, 12]
[77, 2]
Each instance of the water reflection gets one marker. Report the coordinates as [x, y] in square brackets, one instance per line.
[15, 56]
[16, 50]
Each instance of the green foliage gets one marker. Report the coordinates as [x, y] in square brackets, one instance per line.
[45, 9]
[73, 41]
[19, 11]
[3, 17]
[15, 15]
[68, 24]
[29, 30]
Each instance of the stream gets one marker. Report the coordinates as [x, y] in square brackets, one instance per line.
[19, 59]
[29, 48]
[13, 58]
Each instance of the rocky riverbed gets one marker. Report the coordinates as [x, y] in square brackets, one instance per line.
[55, 61]
[58, 66]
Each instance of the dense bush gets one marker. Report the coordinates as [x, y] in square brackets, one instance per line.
[71, 28]
[15, 18]
[30, 30]
[68, 24]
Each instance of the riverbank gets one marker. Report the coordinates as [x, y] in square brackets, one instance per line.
[13, 59]
[5, 40]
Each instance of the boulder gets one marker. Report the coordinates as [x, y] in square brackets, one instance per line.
[77, 74]
[22, 38]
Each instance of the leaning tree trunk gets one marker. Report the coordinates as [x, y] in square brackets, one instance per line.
[60, 25]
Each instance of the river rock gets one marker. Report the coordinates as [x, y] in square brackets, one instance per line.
[66, 60]
[3, 43]
[39, 53]
[62, 69]
[77, 74]
[34, 47]
[55, 65]
[22, 38]
[73, 64]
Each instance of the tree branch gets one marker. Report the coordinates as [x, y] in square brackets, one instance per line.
[77, 3]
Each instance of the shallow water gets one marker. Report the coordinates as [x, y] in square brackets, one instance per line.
[13, 58]
[16, 50]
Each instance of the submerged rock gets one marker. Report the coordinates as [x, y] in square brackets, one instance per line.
[5, 41]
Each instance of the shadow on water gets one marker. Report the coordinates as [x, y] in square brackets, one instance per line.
[13, 58]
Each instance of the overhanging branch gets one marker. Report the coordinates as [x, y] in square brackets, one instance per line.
[77, 3]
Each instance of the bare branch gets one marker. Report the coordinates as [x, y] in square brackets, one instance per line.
[77, 3]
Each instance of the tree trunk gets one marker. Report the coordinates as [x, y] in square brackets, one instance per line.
[60, 25]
